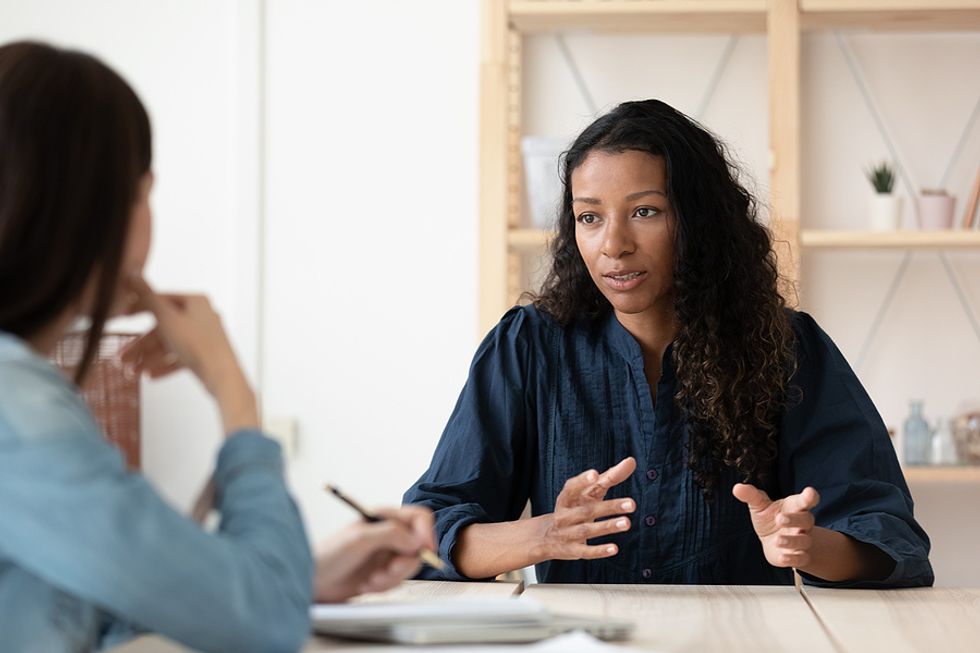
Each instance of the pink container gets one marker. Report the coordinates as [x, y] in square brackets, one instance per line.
[936, 211]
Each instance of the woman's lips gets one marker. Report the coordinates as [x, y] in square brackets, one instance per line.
[625, 279]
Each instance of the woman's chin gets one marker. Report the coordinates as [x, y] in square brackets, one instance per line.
[631, 305]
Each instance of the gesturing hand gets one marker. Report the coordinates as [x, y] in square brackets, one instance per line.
[580, 503]
[783, 526]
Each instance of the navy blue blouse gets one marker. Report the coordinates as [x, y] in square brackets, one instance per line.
[543, 403]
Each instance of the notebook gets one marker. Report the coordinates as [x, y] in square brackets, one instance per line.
[456, 621]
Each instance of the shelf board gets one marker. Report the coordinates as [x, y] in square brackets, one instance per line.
[528, 240]
[742, 16]
[692, 16]
[532, 239]
[819, 239]
[891, 15]
[943, 473]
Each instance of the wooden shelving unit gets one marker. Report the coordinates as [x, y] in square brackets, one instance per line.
[737, 16]
[743, 16]
[534, 240]
[943, 474]
[812, 239]
[891, 15]
[505, 241]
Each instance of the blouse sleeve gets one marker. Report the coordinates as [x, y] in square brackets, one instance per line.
[75, 517]
[480, 469]
[833, 439]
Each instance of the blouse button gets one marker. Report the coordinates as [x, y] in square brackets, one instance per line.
[652, 474]
[650, 520]
[647, 573]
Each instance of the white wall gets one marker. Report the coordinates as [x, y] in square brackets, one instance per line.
[366, 240]
[371, 237]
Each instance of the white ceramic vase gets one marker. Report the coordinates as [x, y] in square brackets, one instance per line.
[886, 212]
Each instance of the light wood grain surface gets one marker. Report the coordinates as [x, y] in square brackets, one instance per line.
[900, 621]
[702, 618]
[676, 618]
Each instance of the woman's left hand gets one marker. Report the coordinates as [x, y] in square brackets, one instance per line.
[784, 526]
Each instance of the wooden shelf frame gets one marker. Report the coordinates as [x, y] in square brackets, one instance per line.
[738, 16]
[892, 15]
[904, 240]
[942, 474]
[706, 16]
[535, 240]
[503, 242]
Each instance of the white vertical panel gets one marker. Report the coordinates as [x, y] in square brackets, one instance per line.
[371, 246]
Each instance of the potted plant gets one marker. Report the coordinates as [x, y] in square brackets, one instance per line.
[886, 208]
[936, 208]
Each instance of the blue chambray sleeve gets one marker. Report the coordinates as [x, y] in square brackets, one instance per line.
[480, 470]
[833, 439]
[73, 515]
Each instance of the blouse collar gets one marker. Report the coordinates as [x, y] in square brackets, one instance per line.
[626, 345]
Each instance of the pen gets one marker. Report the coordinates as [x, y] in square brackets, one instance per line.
[427, 556]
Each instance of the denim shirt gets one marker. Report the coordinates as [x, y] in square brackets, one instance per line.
[89, 550]
[545, 402]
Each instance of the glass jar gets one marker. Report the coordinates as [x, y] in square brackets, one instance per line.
[918, 438]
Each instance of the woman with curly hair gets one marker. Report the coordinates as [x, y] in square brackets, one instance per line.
[660, 351]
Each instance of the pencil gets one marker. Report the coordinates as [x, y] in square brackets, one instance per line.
[427, 556]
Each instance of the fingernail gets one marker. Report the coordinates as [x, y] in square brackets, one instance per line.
[621, 523]
[610, 549]
[627, 505]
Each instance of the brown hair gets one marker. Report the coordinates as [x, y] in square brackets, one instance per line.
[74, 144]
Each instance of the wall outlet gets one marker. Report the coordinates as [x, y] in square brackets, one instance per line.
[285, 431]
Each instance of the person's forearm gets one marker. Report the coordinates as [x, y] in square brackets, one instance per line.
[486, 550]
[837, 557]
[236, 403]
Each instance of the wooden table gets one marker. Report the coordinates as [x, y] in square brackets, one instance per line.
[697, 617]
[720, 618]
[407, 591]
[930, 620]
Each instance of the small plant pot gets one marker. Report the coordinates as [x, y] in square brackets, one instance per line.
[886, 212]
[936, 211]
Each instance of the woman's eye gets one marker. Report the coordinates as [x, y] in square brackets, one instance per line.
[646, 212]
[587, 218]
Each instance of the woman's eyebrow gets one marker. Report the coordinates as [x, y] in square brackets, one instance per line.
[636, 196]
[587, 200]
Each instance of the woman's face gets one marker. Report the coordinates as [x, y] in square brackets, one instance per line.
[624, 228]
[140, 228]
[137, 244]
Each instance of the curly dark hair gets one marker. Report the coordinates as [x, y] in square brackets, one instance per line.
[734, 347]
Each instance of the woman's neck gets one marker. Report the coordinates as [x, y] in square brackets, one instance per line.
[45, 340]
[654, 330]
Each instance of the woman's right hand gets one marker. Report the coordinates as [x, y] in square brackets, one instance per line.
[373, 557]
[581, 502]
[189, 334]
